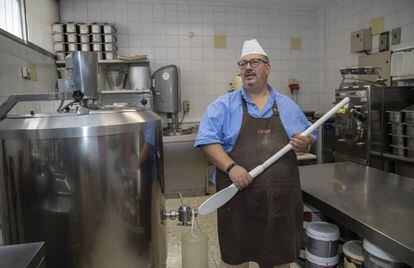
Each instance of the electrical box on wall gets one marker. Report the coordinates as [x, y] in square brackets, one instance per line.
[396, 36]
[384, 43]
[361, 40]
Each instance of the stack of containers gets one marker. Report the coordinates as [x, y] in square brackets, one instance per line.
[402, 131]
[408, 113]
[322, 245]
[71, 37]
[396, 132]
[98, 37]
[59, 40]
[84, 37]
[65, 39]
[109, 37]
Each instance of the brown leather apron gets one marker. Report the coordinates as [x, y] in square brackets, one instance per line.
[263, 222]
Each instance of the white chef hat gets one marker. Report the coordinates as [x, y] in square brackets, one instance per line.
[252, 47]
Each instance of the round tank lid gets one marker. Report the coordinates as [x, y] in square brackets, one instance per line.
[322, 231]
[65, 125]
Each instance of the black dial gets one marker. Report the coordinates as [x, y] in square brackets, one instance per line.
[144, 102]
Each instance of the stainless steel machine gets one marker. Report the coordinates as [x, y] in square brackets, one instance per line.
[361, 130]
[167, 97]
[87, 180]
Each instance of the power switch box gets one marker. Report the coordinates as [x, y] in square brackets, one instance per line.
[384, 43]
[361, 40]
[26, 72]
[396, 36]
[186, 106]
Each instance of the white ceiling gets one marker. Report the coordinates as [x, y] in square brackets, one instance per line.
[295, 4]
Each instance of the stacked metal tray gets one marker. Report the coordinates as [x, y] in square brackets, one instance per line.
[70, 36]
[401, 133]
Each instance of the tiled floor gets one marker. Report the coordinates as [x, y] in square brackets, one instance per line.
[208, 225]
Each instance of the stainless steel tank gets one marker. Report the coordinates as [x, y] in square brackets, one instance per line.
[90, 186]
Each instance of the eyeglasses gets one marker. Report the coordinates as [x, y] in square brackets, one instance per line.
[253, 63]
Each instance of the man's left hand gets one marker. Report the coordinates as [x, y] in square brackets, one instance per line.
[301, 143]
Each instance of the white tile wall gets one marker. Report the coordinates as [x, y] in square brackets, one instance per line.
[13, 56]
[162, 30]
[341, 17]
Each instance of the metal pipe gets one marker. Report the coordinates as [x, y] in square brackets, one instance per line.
[12, 100]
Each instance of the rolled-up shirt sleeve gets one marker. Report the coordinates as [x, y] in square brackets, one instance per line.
[211, 126]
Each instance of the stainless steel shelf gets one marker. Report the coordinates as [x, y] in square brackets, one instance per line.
[403, 77]
[125, 91]
[117, 61]
[375, 204]
[398, 157]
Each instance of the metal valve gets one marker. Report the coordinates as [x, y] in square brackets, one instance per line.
[184, 214]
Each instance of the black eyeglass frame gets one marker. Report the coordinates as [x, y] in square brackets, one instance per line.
[243, 64]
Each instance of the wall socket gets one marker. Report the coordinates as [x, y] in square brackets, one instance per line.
[186, 106]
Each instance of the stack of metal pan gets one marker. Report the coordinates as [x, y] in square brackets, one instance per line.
[409, 129]
[402, 131]
[104, 40]
[99, 37]
[109, 37]
[60, 38]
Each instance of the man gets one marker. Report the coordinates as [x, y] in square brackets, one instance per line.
[239, 131]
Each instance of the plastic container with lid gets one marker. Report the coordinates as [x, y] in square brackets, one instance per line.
[313, 261]
[323, 239]
[378, 258]
[353, 254]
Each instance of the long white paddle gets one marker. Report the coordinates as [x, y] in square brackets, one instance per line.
[222, 197]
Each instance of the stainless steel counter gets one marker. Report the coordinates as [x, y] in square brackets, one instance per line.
[23, 255]
[375, 204]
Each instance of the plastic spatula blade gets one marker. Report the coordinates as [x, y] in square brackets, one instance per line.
[217, 200]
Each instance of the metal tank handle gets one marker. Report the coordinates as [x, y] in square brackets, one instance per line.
[12, 100]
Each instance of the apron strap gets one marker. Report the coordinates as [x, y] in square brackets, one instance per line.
[244, 105]
[275, 109]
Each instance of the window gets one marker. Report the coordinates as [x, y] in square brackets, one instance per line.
[11, 17]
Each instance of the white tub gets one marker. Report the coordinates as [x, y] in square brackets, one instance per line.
[323, 239]
[313, 261]
[353, 254]
[378, 258]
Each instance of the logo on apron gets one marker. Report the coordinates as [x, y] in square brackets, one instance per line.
[264, 131]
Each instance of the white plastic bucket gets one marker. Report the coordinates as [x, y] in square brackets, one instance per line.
[353, 254]
[323, 239]
[378, 258]
[313, 261]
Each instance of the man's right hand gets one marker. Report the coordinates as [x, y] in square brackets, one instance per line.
[240, 177]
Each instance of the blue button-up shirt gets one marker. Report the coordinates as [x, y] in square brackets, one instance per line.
[223, 118]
